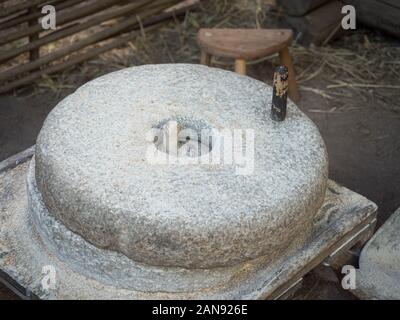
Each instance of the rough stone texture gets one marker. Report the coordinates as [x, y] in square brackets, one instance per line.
[92, 175]
[23, 253]
[379, 273]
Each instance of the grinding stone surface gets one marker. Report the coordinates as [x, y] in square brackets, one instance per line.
[93, 176]
[379, 273]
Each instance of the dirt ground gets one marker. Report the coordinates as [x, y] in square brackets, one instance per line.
[6, 294]
[349, 88]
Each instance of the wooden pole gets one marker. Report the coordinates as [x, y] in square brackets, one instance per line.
[150, 25]
[168, 14]
[62, 18]
[77, 58]
[11, 17]
[96, 37]
[28, 4]
[27, 17]
[67, 31]
[34, 53]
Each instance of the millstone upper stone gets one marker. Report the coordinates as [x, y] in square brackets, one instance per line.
[93, 174]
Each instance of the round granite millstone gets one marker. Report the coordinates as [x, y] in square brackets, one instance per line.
[93, 175]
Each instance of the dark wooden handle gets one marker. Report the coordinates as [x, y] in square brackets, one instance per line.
[279, 94]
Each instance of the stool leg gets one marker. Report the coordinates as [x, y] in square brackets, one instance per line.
[240, 66]
[294, 93]
[205, 58]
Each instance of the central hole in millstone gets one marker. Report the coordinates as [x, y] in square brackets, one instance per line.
[184, 137]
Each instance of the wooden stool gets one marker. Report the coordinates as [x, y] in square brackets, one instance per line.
[248, 44]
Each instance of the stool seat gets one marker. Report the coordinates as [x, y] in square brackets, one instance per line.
[245, 44]
[248, 44]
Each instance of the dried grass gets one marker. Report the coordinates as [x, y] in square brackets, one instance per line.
[357, 68]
